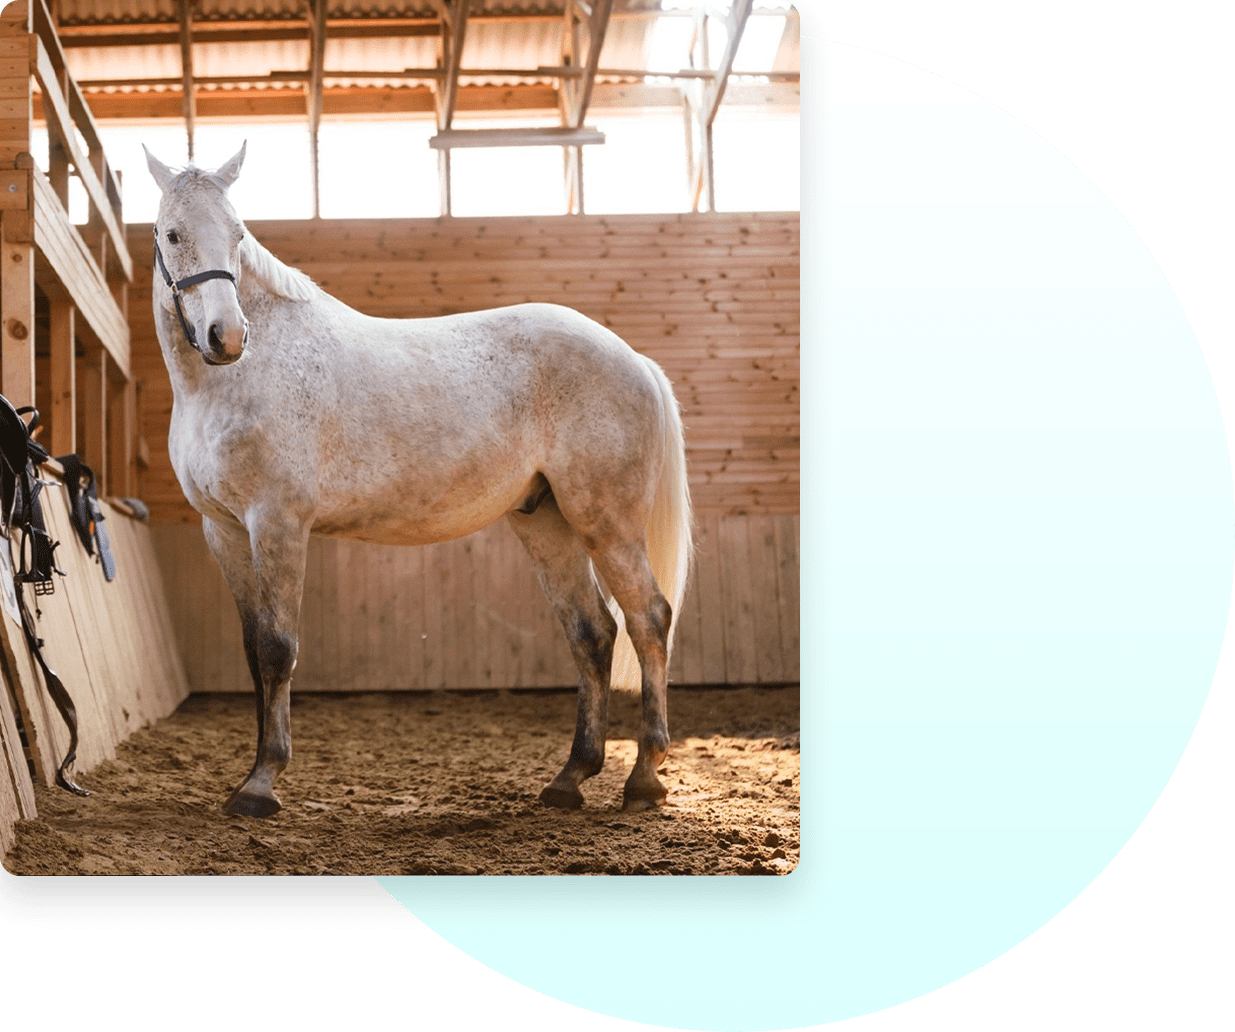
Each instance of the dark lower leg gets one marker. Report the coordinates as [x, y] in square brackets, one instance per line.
[276, 657]
[643, 788]
[591, 641]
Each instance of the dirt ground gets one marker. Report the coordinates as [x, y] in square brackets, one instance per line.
[433, 783]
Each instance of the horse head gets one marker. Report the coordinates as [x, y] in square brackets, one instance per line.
[197, 239]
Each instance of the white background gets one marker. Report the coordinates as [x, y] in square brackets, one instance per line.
[1017, 565]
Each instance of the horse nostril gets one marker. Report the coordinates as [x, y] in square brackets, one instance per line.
[215, 336]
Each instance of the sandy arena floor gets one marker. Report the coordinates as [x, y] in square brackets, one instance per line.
[433, 783]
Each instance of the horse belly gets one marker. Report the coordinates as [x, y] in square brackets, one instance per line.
[404, 517]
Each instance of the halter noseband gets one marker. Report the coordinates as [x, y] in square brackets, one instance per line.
[176, 286]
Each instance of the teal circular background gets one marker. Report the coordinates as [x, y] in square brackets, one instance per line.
[1017, 555]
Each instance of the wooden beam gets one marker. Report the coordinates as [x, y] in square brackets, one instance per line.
[317, 59]
[702, 104]
[62, 341]
[184, 8]
[359, 100]
[548, 136]
[14, 190]
[444, 203]
[572, 157]
[57, 110]
[121, 403]
[576, 96]
[57, 153]
[598, 23]
[92, 397]
[252, 30]
[241, 29]
[446, 91]
[698, 135]
[15, 19]
[77, 106]
[735, 23]
[540, 72]
[17, 311]
[454, 28]
[69, 271]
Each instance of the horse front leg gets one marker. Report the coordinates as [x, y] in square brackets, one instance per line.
[264, 567]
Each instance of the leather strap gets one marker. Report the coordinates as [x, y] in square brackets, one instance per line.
[36, 562]
[36, 566]
[59, 695]
[87, 513]
[176, 286]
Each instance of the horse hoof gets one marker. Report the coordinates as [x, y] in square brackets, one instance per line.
[561, 798]
[643, 796]
[252, 804]
[630, 805]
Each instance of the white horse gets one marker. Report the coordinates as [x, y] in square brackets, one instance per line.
[532, 412]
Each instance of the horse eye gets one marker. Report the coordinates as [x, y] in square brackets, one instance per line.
[173, 237]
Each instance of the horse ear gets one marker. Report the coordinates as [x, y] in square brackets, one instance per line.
[230, 171]
[162, 174]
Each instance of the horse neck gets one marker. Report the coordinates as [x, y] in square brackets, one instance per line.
[185, 367]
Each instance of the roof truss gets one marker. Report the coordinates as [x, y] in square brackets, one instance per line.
[184, 9]
[573, 86]
[314, 91]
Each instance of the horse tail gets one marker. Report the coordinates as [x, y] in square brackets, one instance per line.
[670, 539]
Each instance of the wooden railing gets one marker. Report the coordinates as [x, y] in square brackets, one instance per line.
[74, 282]
[66, 111]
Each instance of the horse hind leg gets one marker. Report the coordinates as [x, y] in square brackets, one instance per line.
[648, 616]
[565, 575]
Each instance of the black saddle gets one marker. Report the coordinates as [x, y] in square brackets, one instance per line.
[20, 488]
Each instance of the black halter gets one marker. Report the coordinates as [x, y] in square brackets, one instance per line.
[177, 286]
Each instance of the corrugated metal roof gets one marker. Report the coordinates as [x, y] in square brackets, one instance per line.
[524, 34]
[102, 12]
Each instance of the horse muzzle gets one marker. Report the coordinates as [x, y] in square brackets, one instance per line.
[225, 342]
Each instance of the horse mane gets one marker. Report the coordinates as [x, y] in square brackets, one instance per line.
[277, 277]
[280, 279]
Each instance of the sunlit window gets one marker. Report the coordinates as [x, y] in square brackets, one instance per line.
[377, 169]
[641, 166]
[756, 160]
[381, 165]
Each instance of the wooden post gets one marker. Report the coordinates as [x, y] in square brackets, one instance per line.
[17, 314]
[58, 166]
[141, 447]
[96, 228]
[57, 152]
[15, 18]
[92, 417]
[317, 64]
[63, 376]
[188, 104]
[443, 181]
[121, 403]
[453, 26]
[16, 237]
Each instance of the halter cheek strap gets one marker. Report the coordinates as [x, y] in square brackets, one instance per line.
[176, 286]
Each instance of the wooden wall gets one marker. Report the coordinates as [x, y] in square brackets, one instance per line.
[113, 645]
[469, 614]
[712, 297]
[63, 289]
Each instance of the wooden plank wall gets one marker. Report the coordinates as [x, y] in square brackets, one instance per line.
[469, 614]
[112, 643]
[712, 297]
